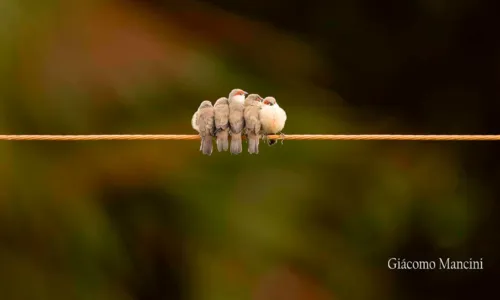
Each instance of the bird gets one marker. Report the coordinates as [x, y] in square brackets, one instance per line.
[252, 123]
[272, 118]
[203, 122]
[221, 109]
[236, 120]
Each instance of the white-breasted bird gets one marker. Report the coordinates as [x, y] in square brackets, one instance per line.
[252, 123]
[272, 118]
[221, 108]
[236, 119]
[203, 122]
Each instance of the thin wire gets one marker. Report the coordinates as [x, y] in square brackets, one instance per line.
[185, 137]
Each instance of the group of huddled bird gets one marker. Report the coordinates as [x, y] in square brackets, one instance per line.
[239, 114]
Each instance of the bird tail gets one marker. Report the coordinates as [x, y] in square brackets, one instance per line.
[222, 142]
[236, 146]
[206, 145]
[253, 144]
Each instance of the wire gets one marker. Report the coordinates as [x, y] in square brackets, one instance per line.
[329, 137]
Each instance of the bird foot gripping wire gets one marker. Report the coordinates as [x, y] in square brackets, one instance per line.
[282, 137]
[271, 142]
[267, 140]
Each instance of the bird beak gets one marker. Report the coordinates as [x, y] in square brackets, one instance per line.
[245, 93]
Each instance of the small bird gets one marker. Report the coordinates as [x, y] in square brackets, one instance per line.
[203, 122]
[252, 123]
[236, 119]
[272, 118]
[221, 108]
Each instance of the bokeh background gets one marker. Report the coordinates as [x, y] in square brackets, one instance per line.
[303, 220]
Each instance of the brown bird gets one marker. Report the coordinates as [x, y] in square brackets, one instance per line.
[236, 119]
[252, 123]
[221, 108]
[203, 122]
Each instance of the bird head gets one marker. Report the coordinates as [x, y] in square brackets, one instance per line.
[205, 104]
[252, 98]
[222, 100]
[269, 101]
[237, 95]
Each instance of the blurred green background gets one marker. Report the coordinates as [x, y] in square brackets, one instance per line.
[302, 220]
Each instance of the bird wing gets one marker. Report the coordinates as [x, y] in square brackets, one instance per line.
[221, 117]
[252, 123]
[236, 118]
[206, 122]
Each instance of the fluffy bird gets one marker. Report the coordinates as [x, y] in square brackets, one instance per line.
[252, 122]
[203, 122]
[236, 119]
[272, 118]
[221, 109]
